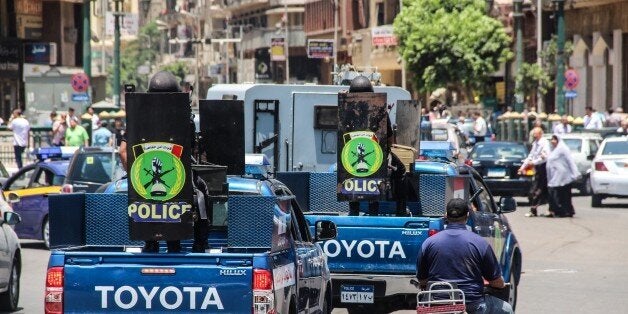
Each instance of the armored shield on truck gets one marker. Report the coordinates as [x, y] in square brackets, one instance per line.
[158, 152]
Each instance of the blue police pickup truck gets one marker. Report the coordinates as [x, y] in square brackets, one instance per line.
[373, 259]
[262, 259]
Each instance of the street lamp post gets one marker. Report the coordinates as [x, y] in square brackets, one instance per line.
[560, 56]
[116, 53]
[518, 16]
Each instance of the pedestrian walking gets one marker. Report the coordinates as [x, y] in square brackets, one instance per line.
[561, 172]
[480, 128]
[21, 128]
[70, 116]
[76, 135]
[591, 119]
[563, 127]
[101, 137]
[58, 130]
[95, 118]
[119, 132]
[537, 159]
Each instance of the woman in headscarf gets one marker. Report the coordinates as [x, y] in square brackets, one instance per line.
[561, 172]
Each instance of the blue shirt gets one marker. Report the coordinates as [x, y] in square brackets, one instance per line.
[457, 255]
[101, 137]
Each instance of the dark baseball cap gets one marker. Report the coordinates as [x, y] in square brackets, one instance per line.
[457, 208]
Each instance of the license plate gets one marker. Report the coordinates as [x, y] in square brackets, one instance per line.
[496, 172]
[357, 294]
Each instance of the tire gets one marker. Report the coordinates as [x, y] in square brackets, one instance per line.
[512, 290]
[327, 306]
[10, 298]
[45, 233]
[596, 200]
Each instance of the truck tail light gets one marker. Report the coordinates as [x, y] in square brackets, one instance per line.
[468, 162]
[431, 232]
[53, 299]
[67, 188]
[263, 296]
[599, 166]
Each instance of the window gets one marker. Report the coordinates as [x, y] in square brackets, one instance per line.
[593, 147]
[94, 168]
[484, 198]
[615, 148]
[575, 144]
[21, 182]
[300, 219]
[44, 177]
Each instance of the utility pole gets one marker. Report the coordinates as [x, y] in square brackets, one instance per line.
[87, 36]
[335, 36]
[560, 56]
[116, 53]
[518, 16]
[403, 61]
[539, 49]
[287, 43]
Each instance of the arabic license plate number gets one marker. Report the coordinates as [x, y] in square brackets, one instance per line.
[357, 294]
[496, 172]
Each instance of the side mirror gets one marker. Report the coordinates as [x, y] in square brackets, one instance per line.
[13, 198]
[12, 218]
[507, 204]
[325, 230]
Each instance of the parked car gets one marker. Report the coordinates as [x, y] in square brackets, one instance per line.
[28, 190]
[498, 163]
[10, 259]
[609, 170]
[90, 168]
[583, 147]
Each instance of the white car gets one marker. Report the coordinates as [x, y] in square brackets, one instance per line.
[443, 131]
[583, 147]
[10, 258]
[609, 170]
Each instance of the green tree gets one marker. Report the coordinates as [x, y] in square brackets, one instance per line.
[136, 53]
[548, 56]
[450, 42]
[178, 68]
[532, 78]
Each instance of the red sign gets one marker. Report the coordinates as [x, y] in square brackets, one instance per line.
[80, 82]
[571, 79]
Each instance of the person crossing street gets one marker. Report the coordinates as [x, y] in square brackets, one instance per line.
[537, 158]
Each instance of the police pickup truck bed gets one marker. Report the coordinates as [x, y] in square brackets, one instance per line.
[373, 259]
[265, 261]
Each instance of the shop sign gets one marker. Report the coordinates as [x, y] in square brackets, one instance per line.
[40, 53]
[277, 49]
[320, 48]
[28, 19]
[9, 59]
[383, 36]
[129, 24]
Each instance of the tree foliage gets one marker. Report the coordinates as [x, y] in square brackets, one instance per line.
[143, 52]
[532, 78]
[448, 42]
[549, 53]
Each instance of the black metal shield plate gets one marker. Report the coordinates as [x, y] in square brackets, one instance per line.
[362, 146]
[158, 152]
[222, 133]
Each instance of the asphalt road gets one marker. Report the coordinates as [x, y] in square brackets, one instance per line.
[570, 265]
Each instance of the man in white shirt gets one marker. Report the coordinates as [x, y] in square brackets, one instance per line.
[20, 128]
[592, 120]
[95, 118]
[537, 158]
[480, 128]
[563, 127]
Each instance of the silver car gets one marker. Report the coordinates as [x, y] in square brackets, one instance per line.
[583, 147]
[10, 258]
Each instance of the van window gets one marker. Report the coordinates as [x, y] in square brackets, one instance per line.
[94, 168]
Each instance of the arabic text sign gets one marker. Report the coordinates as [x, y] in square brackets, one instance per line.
[277, 49]
[320, 48]
[383, 36]
[38, 53]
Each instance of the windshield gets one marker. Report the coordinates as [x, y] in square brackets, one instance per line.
[615, 148]
[497, 151]
[95, 168]
[575, 144]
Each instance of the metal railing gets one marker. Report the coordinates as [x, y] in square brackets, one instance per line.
[39, 137]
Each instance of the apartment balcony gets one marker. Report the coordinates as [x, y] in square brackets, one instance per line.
[236, 5]
[260, 38]
[282, 3]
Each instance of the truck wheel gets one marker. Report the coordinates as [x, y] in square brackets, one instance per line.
[45, 233]
[596, 200]
[10, 298]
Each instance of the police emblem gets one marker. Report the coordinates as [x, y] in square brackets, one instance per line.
[157, 172]
[361, 155]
